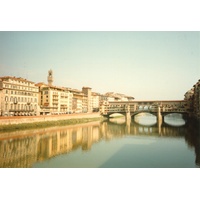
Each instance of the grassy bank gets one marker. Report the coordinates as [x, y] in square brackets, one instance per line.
[35, 125]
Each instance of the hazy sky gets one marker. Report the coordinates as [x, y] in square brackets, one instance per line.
[146, 65]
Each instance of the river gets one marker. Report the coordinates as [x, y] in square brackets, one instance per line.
[142, 143]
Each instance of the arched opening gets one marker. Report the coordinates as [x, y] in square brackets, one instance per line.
[117, 118]
[145, 119]
[116, 115]
[174, 119]
[140, 108]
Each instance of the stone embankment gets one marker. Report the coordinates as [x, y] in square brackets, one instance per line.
[45, 118]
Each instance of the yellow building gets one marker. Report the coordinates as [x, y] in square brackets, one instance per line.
[87, 91]
[54, 100]
[18, 97]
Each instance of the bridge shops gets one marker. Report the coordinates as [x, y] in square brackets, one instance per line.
[132, 108]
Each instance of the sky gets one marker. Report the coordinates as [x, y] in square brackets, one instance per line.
[146, 65]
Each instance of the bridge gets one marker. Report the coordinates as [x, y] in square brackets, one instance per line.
[131, 108]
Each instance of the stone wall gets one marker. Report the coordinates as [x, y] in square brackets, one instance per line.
[44, 118]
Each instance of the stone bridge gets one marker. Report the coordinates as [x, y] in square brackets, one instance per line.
[132, 108]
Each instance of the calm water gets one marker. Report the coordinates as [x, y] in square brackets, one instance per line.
[143, 143]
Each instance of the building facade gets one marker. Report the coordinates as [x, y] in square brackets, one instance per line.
[54, 100]
[193, 101]
[18, 97]
[196, 100]
[95, 101]
[77, 101]
[87, 91]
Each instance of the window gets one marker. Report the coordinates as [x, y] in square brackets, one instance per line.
[15, 100]
[6, 98]
[11, 99]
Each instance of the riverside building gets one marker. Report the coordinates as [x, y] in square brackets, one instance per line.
[77, 101]
[18, 97]
[54, 100]
[87, 91]
[193, 101]
[95, 101]
[197, 100]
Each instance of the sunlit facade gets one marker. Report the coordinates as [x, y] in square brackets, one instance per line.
[95, 101]
[87, 91]
[54, 100]
[18, 97]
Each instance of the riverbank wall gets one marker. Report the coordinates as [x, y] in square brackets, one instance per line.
[45, 118]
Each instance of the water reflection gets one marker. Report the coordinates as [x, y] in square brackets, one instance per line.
[174, 120]
[24, 148]
[145, 119]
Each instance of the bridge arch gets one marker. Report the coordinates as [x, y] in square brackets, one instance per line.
[147, 119]
[116, 114]
[172, 113]
[142, 111]
[172, 119]
[110, 114]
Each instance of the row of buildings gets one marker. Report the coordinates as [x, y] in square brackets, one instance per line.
[193, 100]
[19, 97]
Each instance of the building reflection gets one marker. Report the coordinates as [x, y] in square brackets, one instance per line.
[192, 138]
[24, 148]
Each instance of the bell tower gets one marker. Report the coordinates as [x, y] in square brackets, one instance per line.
[50, 77]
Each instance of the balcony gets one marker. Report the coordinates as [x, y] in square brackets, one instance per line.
[21, 110]
[63, 107]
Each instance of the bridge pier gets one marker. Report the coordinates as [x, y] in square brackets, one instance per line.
[128, 114]
[160, 119]
[128, 117]
[128, 127]
[159, 115]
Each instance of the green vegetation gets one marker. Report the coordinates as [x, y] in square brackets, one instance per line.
[35, 125]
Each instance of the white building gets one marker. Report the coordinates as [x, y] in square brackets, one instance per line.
[18, 97]
[95, 101]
